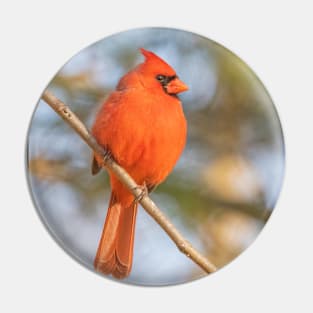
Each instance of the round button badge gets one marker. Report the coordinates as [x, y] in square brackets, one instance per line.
[155, 156]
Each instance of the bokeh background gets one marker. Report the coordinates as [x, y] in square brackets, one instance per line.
[222, 190]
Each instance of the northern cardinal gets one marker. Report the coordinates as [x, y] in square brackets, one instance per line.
[143, 126]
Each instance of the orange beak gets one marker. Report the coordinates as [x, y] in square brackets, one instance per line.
[176, 86]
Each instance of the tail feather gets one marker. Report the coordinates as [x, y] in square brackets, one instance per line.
[115, 251]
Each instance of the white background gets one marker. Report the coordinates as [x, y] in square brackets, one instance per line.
[274, 38]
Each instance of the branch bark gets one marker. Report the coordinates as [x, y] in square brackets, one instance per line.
[183, 245]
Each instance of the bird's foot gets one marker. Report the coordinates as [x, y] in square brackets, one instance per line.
[107, 156]
[143, 192]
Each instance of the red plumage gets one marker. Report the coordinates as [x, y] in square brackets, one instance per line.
[143, 125]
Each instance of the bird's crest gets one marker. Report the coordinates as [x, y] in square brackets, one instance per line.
[156, 63]
[148, 54]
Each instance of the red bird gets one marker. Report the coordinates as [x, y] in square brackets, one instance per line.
[143, 125]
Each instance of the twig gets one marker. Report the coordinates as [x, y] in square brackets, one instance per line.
[182, 244]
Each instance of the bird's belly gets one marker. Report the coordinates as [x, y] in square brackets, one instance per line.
[153, 157]
[146, 139]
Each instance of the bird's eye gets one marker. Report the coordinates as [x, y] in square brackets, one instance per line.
[161, 78]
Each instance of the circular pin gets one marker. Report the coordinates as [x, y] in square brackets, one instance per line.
[155, 157]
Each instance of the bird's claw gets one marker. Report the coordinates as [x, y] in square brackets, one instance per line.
[107, 157]
[143, 192]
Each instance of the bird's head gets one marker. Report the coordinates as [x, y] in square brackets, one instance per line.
[158, 75]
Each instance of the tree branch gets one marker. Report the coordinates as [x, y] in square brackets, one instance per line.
[183, 245]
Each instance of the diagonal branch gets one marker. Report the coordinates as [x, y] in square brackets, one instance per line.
[183, 245]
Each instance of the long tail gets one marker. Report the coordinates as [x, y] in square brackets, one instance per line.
[115, 251]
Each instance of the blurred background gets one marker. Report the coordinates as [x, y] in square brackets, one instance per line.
[223, 188]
